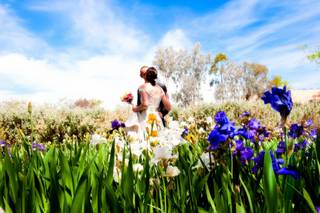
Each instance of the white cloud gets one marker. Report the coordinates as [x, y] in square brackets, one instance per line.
[103, 62]
[107, 48]
[97, 25]
[270, 31]
[103, 77]
[267, 32]
[177, 39]
[232, 16]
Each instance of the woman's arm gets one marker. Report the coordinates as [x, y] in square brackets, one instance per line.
[144, 102]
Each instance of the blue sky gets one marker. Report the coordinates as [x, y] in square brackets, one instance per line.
[89, 48]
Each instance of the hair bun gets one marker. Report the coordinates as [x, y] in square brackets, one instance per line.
[151, 75]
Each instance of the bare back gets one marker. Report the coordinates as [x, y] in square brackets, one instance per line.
[154, 94]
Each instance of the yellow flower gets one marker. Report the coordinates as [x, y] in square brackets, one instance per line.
[152, 117]
[154, 143]
[154, 133]
[191, 138]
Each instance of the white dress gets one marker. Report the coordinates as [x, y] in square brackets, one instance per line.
[137, 122]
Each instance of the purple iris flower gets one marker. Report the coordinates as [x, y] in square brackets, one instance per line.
[281, 148]
[295, 131]
[283, 171]
[308, 123]
[261, 138]
[38, 146]
[276, 162]
[185, 131]
[258, 161]
[239, 145]
[115, 124]
[304, 144]
[299, 146]
[252, 131]
[280, 100]
[254, 124]
[246, 134]
[242, 132]
[313, 133]
[245, 114]
[263, 131]
[251, 135]
[246, 154]
[221, 118]
[318, 209]
[227, 128]
[4, 144]
[215, 138]
[222, 131]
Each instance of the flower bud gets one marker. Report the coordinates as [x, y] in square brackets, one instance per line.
[29, 107]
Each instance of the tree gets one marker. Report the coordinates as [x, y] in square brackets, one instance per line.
[315, 56]
[218, 66]
[237, 81]
[186, 94]
[277, 81]
[169, 62]
[186, 70]
[87, 103]
[255, 79]
[230, 85]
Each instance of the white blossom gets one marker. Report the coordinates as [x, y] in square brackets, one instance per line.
[137, 148]
[97, 139]
[209, 120]
[205, 158]
[172, 171]
[162, 153]
[201, 130]
[170, 137]
[173, 125]
[137, 167]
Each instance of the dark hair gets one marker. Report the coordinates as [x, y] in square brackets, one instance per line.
[151, 75]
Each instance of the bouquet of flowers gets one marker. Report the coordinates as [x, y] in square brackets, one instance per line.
[127, 97]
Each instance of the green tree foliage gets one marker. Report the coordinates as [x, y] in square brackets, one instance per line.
[277, 81]
[217, 66]
[315, 57]
[220, 57]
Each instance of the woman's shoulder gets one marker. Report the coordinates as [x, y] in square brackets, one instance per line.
[142, 87]
[160, 89]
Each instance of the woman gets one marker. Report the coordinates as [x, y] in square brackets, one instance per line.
[151, 94]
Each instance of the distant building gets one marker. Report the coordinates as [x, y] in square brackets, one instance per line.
[305, 96]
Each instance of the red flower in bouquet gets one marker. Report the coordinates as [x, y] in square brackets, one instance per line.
[127, 97]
